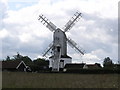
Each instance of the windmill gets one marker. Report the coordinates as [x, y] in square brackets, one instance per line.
[59, 45]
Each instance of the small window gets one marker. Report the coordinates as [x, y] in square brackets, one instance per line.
[58, 49]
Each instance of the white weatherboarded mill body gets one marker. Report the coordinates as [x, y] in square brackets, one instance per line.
[59, 45]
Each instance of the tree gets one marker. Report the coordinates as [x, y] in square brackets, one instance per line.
[107, 63]
[7, 58]
[26, 59]
[40, 64]
[18, 56]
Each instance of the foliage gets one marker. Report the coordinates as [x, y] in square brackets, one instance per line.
[36, 65]
[26, 59]
[107, 63]
[7, 58]
[93, 71]
[18, 56]
[40, 64]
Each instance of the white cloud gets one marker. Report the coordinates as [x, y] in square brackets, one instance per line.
[3, 33]
[87, 58]
[25, 37]
[5, 2]
[95, 6]
[91, 58]
[18, 5]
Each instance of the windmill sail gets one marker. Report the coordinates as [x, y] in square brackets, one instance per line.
[72, 21]
[48, 49]
[51, 26]
[75, 46]
[47, 23]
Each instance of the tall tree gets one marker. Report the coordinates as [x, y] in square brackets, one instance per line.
[107, 63]
[18, 56]
[40, 64]
[26, 59]
[8, 58]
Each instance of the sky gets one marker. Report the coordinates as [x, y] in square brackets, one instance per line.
[96, 32]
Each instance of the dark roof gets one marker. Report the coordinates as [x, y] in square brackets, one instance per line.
[10, 64]
[92, 66]
[66, 56]
[117, 64]
[62, 56]
[75, 65]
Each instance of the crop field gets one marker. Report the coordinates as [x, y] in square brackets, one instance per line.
[59, 80]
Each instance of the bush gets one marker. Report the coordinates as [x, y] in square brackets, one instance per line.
[92, 71]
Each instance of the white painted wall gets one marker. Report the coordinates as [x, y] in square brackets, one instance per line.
[60, 39]
[66, 61]
[85, 67]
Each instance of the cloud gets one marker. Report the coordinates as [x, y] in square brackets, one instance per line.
[96, 32]
[3, 33]
[3, 12]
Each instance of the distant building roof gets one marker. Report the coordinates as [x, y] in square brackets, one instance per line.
[92, 66]
[65, 56]
[75, 65]
[12, 64]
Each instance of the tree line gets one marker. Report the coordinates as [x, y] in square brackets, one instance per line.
[40, 64]
[35, 65]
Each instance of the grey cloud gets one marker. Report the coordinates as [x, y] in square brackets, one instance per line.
[3, 13]
[13, 45]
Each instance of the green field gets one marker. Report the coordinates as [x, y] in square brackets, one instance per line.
[58, 80]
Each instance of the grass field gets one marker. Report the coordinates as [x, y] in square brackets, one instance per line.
[58, 80]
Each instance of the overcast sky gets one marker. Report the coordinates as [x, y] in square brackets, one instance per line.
[96, 32]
